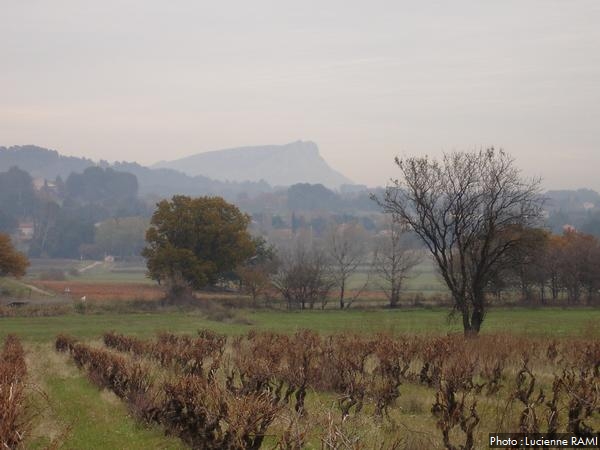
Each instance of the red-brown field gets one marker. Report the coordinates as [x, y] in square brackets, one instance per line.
[103, 291]
[98, 291]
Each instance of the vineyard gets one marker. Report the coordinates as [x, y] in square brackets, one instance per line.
[14, 420]
[346, 391]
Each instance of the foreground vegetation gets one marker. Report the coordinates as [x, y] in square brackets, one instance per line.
[404, 368]
[13, 424]
[305, 390]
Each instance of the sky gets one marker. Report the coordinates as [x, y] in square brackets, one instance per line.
[150, 80]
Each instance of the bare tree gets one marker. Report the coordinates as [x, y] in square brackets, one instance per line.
[552, 263]
[468, 209]
[254, 274]
[254, 281]
[579, 266]
[303, 277]
[347, 251]
[394, 258]
[526, 261]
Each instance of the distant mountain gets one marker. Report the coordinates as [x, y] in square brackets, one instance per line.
[48, 164]
[278, 165]
[570, 200]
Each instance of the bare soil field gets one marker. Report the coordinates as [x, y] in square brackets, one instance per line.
[102, 291]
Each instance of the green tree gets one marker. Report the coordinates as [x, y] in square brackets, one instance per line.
[122, 237]
[192, 242]
[311, 197]
[98, 185]
[12, 262]
[17, 198]
[60, 232]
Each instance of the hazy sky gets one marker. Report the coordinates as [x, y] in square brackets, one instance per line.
[149, 80]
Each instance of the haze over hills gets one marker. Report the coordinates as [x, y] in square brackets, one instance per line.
[48, 164]
[579, 208]
[223, 172]
[278, 165]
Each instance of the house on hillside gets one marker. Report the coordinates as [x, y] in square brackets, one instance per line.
[46, 187]
[25, 231]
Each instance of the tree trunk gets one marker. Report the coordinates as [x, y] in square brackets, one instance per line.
[394, 298]
[473, 319]
[478, 310]
[178, 293]
[466, 322]
[554, 288]
[476, 321]
[471, 326]
[342, 291]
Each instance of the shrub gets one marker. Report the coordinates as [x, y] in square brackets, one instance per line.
[52, 275]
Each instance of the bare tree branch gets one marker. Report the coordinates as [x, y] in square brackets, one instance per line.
[468, 209]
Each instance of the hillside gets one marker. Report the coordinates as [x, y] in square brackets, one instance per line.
[47, 164]
[41, 162]
[168, 182]
[278, 165]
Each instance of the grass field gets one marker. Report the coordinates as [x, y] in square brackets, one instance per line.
[74, 414]
[126, 281]
[88, 271]
[423, 278]
[554, 322]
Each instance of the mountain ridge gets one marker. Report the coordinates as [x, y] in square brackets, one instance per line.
[278, 165]
[48, 164]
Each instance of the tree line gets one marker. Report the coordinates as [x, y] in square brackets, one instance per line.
[199, 242]
[554, 268]
[64, 214]
[473, 212]
[99, 211]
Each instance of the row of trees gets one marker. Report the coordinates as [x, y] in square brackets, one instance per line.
[544, 269]
[64, 213]
[554, 267]
[307, 274]
[195, 242]
[473, 212]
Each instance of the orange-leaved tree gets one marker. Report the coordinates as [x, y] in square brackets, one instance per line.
[12, 262]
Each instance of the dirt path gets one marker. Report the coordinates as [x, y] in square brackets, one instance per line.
[35, 289]
[90, 266]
